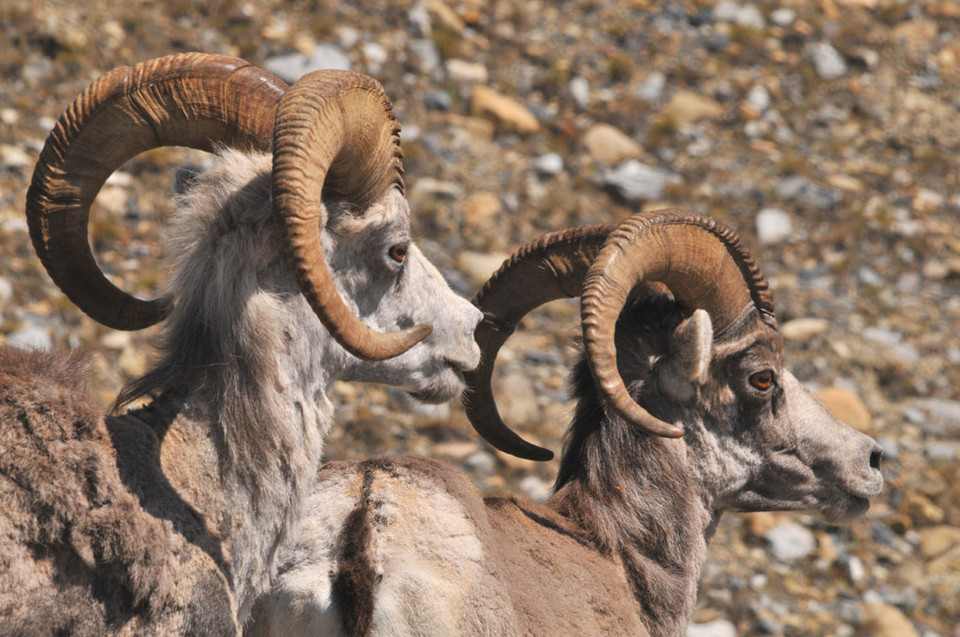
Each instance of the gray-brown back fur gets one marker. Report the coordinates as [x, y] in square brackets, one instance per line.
[78, 552]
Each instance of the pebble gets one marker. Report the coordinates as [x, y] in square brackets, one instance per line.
[375, 56]
[803, 329]
[827, 61]
[466, 72]
[783, 17]
[938, 415]
[426, 58]
[758, 97]
[548, 165]
[651, 89]
[941, 450]
[716, 628]
[609, 145]
[937, 540]
[483, 462]
[293, 66]
[419, 19]
[847, 406]
[580, 92]
[687, 107]
[478, 266]
[505, 111]
[634, 181]
[745, 16]
[14, 157]
[426, 188]
[803, 190]
[481, 208]
[438, 100]
[773, 225]
[790, 541]
[6, 293]
[535, 488]
[31, 337]
[884, 620]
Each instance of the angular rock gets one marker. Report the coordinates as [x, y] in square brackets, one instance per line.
[481, 208]
[651, 89]
[884, 620]
[846, 406]
[773, 225]
[803, 329]
[634, 181]
[937, 540]
[797, 188]
[466, 72]
[548, 165]
[293, 66]
[609, 145]
[790, 541]
[716, 628]
[478, 266]
[687, 107]
[506, 112]
[580, 92]
[827, 61]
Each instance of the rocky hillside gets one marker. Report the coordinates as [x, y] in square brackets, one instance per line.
[826, 131]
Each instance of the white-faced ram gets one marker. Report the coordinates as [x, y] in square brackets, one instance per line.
[684, 411]
[168, 519]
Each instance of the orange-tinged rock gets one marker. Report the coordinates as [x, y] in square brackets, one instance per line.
[847, 406]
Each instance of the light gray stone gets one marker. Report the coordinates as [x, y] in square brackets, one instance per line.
[31, 337]
[651, 89]
[783, 17]
[827, 61]
[773, 225]
[293, 66]
[580, 92]
[759, 98]
[635, 181]
[716, 628]
[790, 541]
[548, 165]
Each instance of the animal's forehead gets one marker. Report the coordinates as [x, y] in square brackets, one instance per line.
[390, 214]
[762, 344]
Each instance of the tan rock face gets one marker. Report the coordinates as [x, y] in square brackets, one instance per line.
[687, 107]
[609, 145]
[883, 620]
[506, 112]
[847, 406]
[937, 540]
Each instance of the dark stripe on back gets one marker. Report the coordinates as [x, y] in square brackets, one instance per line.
[355, 579]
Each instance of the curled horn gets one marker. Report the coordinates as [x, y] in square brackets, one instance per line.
[700, 260]
[336, 134]
[548, 268]
[192, 99]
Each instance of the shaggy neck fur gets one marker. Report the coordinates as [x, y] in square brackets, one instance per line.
[638, 496]
[247, 365]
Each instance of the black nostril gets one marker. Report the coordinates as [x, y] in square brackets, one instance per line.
[875, 458]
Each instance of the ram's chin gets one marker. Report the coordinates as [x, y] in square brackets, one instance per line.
[443, 387]
[843, 510]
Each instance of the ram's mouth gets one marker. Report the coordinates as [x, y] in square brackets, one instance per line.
[444, 386]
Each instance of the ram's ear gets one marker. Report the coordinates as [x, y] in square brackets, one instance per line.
[689, 357]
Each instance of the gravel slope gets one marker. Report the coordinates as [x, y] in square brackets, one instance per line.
[825, 131]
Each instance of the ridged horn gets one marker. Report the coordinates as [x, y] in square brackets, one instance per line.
[701, 261]
[336, 135]
[548, 268]
[192, 99]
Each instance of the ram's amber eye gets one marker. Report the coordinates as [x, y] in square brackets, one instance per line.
[762, 380]
[398, 252]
